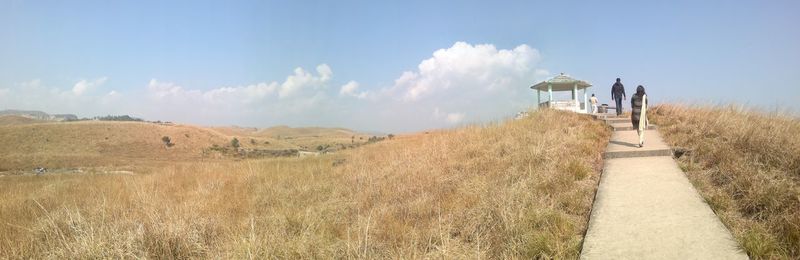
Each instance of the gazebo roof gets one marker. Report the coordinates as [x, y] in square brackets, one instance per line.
[561, 83]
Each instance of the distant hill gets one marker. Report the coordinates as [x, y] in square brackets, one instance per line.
[26, 142]
[18, 120]
[95, 143]
[286, 131]
[303, 138]
[117, 118]
[38, 115]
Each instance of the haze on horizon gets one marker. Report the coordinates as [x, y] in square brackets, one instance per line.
[389, 66]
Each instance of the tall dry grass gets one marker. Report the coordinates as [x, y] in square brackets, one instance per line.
[747, 166]
[518, 189]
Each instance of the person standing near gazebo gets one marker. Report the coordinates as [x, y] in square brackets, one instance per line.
[618, 94]
[639, 113]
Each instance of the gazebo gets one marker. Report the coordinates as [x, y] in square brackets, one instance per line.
[563, 83]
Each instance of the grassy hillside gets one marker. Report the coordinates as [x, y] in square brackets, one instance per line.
[304, 138]
[27, 143]
[519, 189]
[747, 166]
[93, 143]
[18, 120]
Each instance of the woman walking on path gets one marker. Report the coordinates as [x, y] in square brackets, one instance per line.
[639, 113]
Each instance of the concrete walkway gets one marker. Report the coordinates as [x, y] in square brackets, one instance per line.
[646, 208]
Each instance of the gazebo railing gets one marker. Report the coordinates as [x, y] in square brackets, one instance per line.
[569, 105]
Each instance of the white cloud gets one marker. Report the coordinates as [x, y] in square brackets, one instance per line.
[78, 98]
[245, 94]
[301, 84]
[480, 81]
[454, 118]
[163, 89]
[325, 72]
[351, 89]
[110, 97]
[450, 118]
[301, 97]
[302, 80]
[84, 85]
[464, 66]
[35, 83]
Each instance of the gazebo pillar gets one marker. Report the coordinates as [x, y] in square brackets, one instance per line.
[550, 94]
[586, 100]
[575, 97]
[538, 98]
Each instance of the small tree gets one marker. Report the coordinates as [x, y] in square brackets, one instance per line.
[166, 140]
[390, 136]
[235, 143]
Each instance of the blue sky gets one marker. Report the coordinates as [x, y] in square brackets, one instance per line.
[374, 65]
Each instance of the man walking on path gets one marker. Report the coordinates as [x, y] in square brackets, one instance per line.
[618, 94]
[594, 104]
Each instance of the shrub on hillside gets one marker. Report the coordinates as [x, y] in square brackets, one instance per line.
[374, 139]
[235, 143]
[167, 141]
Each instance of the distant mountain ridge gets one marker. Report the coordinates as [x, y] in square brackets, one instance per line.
[33, 114]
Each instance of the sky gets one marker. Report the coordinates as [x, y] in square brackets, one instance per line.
[388, 66]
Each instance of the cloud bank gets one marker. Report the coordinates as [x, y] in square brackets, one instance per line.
[463, 83]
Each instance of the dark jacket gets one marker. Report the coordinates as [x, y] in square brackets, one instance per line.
[636, 109]
[617, 91]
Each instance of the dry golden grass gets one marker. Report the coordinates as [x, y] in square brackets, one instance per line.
[304, 138]
[27, 143]
[99, 143]
[518, 189]
[747, 166]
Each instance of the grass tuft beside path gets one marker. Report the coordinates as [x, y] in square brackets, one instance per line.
[746, 164]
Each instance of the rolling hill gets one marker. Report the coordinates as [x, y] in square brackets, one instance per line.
[303, 138]
[26, 143]
[18, 120]
[38, 115]
[96, 143]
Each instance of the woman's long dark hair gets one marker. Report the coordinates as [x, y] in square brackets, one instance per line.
[640, 91]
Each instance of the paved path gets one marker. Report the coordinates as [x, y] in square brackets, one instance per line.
[646, 208]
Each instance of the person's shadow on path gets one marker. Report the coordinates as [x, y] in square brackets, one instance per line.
[623, 143]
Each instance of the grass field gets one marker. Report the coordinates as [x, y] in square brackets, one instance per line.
[99, 143]
[746, 164]
[517, 189]
[27, 143]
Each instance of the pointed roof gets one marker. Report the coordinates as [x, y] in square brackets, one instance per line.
[561, 82]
